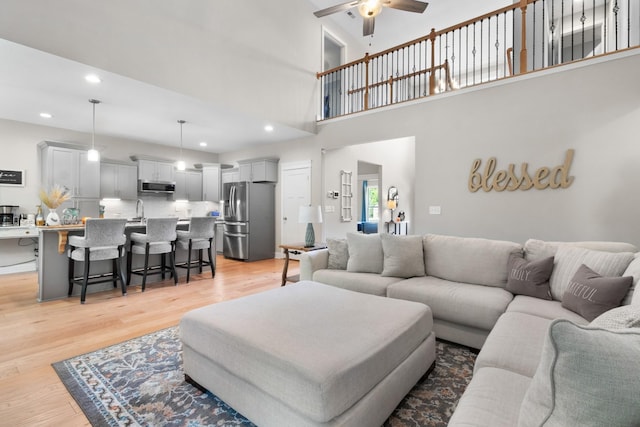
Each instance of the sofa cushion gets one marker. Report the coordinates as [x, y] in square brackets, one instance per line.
[542, 308]
[530, 277]
[338, 254]
[403, 256]
[514, 344]
[493, 398]
[627, 316]
[365, 253]
[633, 270]
[568, 259]
[590, 294]
[368, 283]
[536, 249]
[468, 260]
[586, 377]
[461, 303]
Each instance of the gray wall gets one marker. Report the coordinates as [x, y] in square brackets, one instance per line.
[592, 107]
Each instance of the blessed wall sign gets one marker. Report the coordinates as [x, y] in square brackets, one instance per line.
[511, 179]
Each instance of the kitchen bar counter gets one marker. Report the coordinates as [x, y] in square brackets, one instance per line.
[53, 263]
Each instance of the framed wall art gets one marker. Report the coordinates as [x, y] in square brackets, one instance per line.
[12, 178]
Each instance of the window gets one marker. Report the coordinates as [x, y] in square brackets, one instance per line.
[373, 202]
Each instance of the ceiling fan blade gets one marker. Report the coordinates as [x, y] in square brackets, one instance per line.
[368, 24]
[406, 5]
[336, 8]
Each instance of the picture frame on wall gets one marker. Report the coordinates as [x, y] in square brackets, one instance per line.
[12, 178]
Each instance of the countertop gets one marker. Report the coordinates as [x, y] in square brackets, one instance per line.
[81, 226]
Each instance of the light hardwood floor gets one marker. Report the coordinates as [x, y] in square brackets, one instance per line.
[34, 335]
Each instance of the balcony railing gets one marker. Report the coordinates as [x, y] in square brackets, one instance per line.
[527, 36]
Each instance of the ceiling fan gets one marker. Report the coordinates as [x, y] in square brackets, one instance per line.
[369, 9]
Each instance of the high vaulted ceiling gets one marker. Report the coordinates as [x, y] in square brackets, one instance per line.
[33, 82]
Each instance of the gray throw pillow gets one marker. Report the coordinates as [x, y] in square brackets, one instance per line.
[589, 294]
[338, 254]
[569, 258]
[402, 256]
[586, 377]
[365, 253]
[529, 277]
[627, 316]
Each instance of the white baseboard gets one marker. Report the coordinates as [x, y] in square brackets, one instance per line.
[19, 268]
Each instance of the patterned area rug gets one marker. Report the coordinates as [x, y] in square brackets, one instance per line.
[140, 382]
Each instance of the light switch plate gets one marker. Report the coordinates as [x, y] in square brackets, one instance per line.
[434, 210]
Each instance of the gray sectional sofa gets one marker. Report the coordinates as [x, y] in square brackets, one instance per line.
[533, 367]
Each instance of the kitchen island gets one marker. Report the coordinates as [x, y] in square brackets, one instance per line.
[53, 262]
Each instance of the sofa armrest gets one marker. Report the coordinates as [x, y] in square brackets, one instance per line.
[312, 261]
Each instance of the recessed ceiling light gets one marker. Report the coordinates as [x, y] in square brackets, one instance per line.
[203, 144]
[92, 78]
[268, 128]
[46, 115]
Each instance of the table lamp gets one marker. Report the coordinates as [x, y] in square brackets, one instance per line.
[309, 215]
[391, 205]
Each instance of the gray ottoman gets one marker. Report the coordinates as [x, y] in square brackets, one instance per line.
[309, 354]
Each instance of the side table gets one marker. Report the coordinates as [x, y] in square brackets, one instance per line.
[295, 248]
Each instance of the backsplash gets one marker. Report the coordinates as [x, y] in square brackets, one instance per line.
[157, 207]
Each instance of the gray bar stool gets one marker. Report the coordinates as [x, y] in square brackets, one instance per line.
[159, 239]
[103, 239]
[200, 236]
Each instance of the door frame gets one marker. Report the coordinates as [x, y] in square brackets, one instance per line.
[302, 164]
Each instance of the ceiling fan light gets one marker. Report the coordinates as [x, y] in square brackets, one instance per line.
[370, 8]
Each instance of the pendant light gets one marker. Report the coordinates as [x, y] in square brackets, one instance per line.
[93, 155]
[180, 163]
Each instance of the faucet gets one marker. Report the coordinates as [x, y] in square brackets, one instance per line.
[140, 205]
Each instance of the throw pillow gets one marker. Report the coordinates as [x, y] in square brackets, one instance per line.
[402, 256]
[338, 254]
[365, 253]
[633, 270]
[627, 316]
[529, 277]
[569, 258]
[589, 294]
[586, 377]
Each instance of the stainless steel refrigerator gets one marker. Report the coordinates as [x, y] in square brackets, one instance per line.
[249, 220]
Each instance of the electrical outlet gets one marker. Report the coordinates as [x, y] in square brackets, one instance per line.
[434, 210]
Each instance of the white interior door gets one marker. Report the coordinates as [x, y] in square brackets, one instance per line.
[296, 192]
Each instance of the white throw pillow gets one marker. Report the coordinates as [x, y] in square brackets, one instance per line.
[402, 256]
[365, 253]
[633, 270]
[627, 316]
[569, 258]
[586, 377]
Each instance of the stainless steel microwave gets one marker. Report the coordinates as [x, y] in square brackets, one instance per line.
[156, 186]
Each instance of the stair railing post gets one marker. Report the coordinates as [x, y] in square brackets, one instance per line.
[432, 74]
[366, 81]
[523, 47]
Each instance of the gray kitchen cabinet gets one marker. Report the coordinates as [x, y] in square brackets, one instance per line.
[150, 170]
[259, 170]
[211, 183]
[219, 235]
[230, 175]
[118, 181]
[67, 166]
[188, 185]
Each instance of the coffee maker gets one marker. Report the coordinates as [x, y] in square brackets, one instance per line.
[7, 213]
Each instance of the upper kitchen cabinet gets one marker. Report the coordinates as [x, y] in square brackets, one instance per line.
[211, 183]
[69, 168]
[188, 185]
[150, 170]
[259, 170]
[119, 181]
[230, 175]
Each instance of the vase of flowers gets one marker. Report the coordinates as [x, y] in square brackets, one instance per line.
[52, 200]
